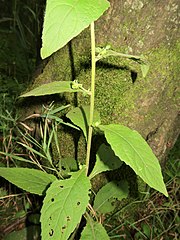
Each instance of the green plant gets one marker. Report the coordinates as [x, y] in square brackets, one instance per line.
[68, 195]
[154, 216]
[19, 29]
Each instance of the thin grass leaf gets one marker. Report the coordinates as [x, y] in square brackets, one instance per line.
[32, 150]
[48, 147]
[17, 157]
[59, 109]
[56, 141]
[32, 140]
[31, 11]
[45, 136]
[7, 118]
[60, 121]
[21, 30]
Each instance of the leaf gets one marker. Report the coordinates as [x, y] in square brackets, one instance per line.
[65, 19]
[107, 52]
[80, 117]
[58, 109]
[94, 231]
[105, 161]
[32, 150]
[63, 206]
[68, 165]
[131, 148]
[105, 199]
[30, 180]
[52, 88]
[59, 120]
[144, 69]
[16, 157]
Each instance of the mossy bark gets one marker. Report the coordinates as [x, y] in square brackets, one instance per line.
[149, 105]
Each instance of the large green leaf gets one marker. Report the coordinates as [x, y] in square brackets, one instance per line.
[65, 19]
[52, 88]
[131, 148]
[80, 117]
[31, 180]
[106, 197]
[63, 206]
[105, 160]
[94, 231]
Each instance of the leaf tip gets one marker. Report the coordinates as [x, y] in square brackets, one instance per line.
[43, 53]
[165, 192]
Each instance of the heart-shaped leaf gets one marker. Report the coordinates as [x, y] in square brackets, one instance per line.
[65, 19]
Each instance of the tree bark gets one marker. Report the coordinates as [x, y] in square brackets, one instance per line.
[148, 105]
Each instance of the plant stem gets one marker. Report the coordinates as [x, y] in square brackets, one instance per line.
[93, 71]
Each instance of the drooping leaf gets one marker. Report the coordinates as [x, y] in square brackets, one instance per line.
[65, 19]
[107, 52]
[51, 88]
[63, 206]
[105, 161]
[105, 199]
[131, 148]
[30, 180]
[94, 231]
[80, 117]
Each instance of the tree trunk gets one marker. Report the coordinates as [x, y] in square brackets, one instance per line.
[150, 104]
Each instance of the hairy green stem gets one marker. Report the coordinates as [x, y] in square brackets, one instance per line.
[93, 71]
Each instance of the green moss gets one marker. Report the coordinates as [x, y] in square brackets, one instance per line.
[117, 98]
[112, 79]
